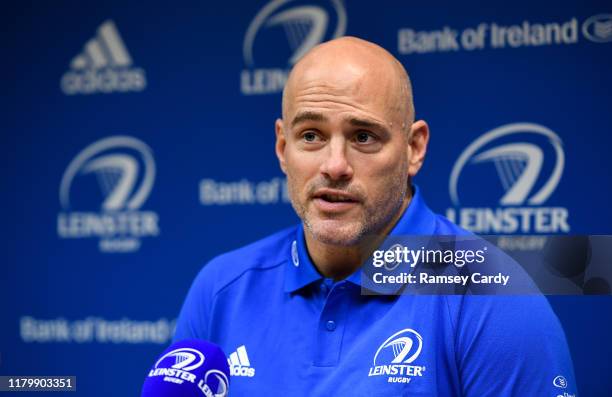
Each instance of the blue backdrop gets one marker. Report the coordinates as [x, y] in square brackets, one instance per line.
[137, 143]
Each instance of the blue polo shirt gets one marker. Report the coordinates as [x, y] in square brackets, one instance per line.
[288, 331]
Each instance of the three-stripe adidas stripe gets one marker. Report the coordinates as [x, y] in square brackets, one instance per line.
[239, 363]
[106, 49]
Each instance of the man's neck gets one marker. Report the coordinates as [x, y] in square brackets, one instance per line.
[339, 262]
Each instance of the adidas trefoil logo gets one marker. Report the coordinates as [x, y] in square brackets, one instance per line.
[104, 66]
[239, 363]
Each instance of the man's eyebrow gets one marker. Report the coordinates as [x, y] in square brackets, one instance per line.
[307, 116]
[357, 122]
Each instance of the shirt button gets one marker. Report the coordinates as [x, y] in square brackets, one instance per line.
[331, 325]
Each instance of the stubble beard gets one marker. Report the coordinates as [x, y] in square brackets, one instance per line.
[375, 217]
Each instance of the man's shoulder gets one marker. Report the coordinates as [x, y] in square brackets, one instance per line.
[267, 253]
[444, 226]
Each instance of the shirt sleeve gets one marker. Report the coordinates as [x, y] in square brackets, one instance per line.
[512, 346]
[193, 319]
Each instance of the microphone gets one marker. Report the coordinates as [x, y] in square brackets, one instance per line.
[189, 368]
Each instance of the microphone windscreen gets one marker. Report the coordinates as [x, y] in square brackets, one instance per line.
[189, 368]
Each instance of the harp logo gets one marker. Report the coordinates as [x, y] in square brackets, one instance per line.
[395, 356]
[178, 366]
[118, 174]
[302, 24]
[516, 153]
[185, 358]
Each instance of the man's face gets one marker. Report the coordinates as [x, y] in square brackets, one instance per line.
[345, 152]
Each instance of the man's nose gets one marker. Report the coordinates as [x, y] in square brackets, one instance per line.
[336, 165]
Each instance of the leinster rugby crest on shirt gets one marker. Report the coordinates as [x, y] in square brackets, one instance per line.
[397, 357]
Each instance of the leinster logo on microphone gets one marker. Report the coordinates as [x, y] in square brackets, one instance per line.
[396, 355]
[280, 34]
[521, 165]
[185, 359]
[102, 191]
[184, 365]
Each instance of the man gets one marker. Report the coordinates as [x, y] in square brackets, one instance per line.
[289, 310]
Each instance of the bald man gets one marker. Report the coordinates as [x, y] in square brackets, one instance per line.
[289, 310]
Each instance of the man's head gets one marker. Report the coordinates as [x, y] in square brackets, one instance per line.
[348, 141]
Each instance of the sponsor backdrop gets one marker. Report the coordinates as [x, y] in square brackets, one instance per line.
[137, 143]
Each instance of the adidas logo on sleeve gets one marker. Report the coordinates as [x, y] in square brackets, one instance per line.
[104, 66]
[239, 363]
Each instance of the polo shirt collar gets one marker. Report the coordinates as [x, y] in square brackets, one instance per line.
[299, 270]
[417, 219]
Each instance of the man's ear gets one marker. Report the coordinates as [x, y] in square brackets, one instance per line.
[281, 142]
[417, 146]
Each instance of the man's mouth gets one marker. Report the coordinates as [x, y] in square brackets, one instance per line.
[335, 198]
[328, 200]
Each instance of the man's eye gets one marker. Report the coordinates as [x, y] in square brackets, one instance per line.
[364, 137]
[310, 136]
